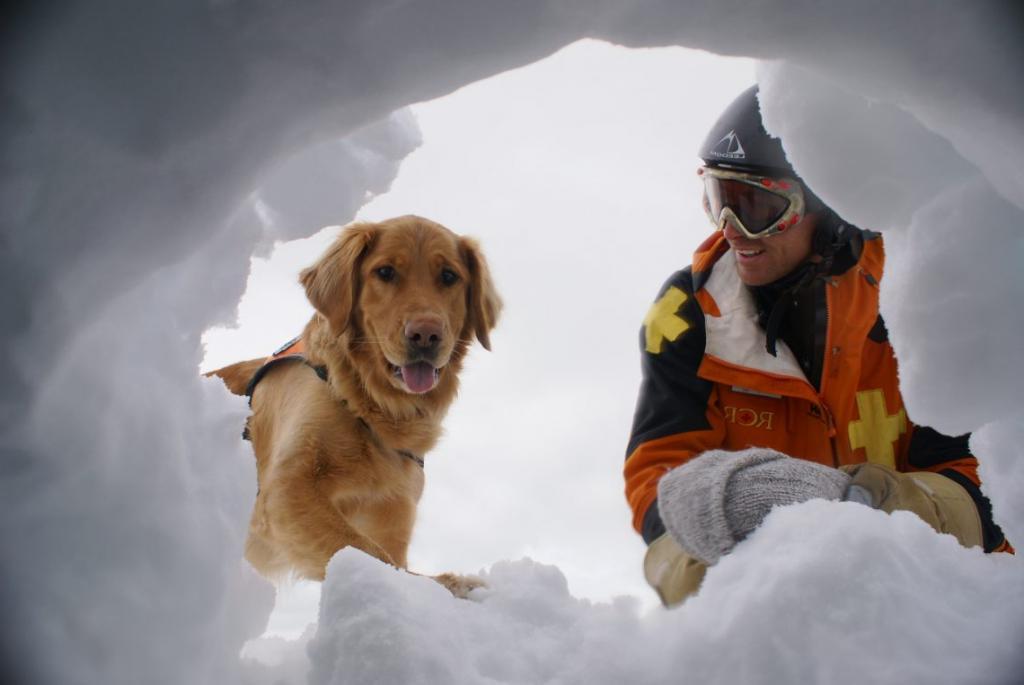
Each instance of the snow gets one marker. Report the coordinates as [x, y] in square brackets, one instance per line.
[764, 616]
[147, 155]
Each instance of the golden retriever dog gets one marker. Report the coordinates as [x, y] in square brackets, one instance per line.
[340, 459]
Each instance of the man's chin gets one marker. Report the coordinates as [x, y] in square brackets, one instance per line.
[754, 277]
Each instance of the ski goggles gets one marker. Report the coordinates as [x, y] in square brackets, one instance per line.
[758, 206]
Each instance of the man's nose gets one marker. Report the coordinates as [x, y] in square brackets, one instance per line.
[730, 231]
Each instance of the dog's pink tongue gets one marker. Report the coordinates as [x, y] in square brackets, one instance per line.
[418, 377]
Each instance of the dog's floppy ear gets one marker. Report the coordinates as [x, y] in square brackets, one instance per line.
[332, 284]
[237, 376]
[484, 304]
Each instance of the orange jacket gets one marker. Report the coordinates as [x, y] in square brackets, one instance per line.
[710, 383]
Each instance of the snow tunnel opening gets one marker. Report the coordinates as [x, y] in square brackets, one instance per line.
[567, 169]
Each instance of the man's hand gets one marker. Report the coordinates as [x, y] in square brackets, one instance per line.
[715, 500]
[672, 573]
[940, 501]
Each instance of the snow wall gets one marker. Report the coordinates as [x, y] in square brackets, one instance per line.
[144, 148]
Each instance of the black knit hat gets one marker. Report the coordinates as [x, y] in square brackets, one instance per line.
[738, 140]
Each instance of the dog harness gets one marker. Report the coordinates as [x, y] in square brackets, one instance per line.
[294, 351]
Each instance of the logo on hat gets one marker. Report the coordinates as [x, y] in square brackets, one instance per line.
[729, 147]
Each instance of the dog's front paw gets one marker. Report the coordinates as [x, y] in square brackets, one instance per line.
[460, 586]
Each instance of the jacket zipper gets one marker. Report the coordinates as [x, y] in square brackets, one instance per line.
[831, 353]
[833, 433]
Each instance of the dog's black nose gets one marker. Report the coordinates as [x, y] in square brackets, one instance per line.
[424, 334]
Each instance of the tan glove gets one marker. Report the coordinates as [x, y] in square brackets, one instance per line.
[940, 501]
[672, 573]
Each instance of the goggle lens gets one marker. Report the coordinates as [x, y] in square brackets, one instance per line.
[758, 208]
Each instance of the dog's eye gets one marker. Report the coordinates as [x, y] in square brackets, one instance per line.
[449, 277]
[385, 273]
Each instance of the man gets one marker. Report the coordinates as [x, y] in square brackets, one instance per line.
[768, 377]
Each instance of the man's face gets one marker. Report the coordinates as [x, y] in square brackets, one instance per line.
[765, 260]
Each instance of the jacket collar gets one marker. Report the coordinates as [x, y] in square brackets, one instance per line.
[735, 351]
[735, 337]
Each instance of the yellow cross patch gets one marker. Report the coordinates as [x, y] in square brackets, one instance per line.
[662, 322]
[877, 430]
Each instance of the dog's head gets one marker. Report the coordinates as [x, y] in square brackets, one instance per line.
[407, 293]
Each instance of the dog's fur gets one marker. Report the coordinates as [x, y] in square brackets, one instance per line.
[330, 467]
